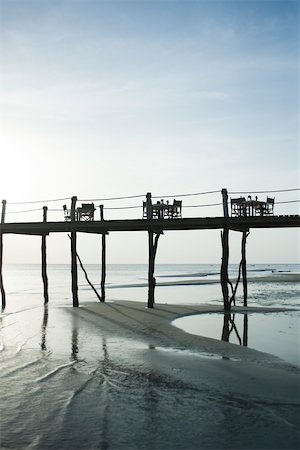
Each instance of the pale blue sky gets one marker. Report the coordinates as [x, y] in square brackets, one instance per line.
[109, 98]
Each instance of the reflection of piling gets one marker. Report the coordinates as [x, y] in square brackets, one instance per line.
[44, 329]
[229, 326]
[74, 272]
[105, 411]
[3, 297]
[74, 344]
[245, 331]
[225, 330]
[44, 259]
[74, 339]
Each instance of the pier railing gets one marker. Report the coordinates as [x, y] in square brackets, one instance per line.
[198, 204]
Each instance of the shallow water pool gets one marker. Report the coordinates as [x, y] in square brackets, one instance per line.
[274, 333]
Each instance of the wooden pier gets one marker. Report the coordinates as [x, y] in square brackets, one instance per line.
[157, 218]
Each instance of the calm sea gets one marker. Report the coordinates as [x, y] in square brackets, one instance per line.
[176, 283]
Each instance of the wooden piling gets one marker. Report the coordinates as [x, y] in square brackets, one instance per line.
[225, 254]
[225, 202]
[151, 255]
[103, 258]
[3, 296]
[44, 259]
[74, 271]
[149, 206]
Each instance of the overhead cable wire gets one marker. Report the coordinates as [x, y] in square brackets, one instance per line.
[143, 195]
[110, 198]
[289, 201]
[201, 206]
[263, 192]
[39, 201]
[156, 196]
[186, 206]
[125, 207]
[154, 204]
[25, 211]
[186, 195]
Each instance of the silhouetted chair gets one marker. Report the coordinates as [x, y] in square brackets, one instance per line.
[176, 210]
[237, 206]
[67, 213]
[269, 209]
[144, 210]
[157, 210]
[86, 212]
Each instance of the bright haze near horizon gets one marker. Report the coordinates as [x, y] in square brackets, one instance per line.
[107, 99]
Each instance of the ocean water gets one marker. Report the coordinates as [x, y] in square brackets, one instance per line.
[175, 283]
[67, 384]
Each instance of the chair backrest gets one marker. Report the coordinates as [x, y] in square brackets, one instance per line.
[88, 206]
[237, 201]
[144, 210]
[270, 201]
[177, 204]
[236, 205]
[176, 208]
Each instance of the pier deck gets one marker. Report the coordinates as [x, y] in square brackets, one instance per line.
[190, 223]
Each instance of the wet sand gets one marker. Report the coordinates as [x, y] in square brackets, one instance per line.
[134, 320]
[121, 376]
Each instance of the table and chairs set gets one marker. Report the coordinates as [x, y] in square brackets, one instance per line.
[240, 207]
[164, 210]
[84, 213]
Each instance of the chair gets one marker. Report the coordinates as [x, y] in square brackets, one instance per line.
[269, 208]
[176, 210]
[157, 211]
[259, 208]
[144, 210]
[86, 212]
[67, 213]
[237, 206]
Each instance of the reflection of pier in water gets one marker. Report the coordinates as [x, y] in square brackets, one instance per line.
[44, 328]
[229, 327]
[99, 375]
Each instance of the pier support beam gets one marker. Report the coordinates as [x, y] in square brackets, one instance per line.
[3, 296]
[44, 259]
[224, 268]
[225, 255]
[152, 247]
[244, 266]
[103, 259]
[152, 253]
[74, 271]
